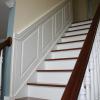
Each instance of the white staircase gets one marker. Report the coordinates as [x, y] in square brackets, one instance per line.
[52, 78]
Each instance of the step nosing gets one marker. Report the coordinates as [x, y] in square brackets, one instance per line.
[71, 42]
[61, 59]
[74, 35]
[46, 85]
[71, 49]
[54, 70]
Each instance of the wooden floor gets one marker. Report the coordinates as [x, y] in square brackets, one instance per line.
[29, 98]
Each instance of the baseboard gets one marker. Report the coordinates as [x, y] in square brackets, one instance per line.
[8, 98]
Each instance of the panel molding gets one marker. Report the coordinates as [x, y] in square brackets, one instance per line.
[36, 32]
[49, 33]
[21, 71]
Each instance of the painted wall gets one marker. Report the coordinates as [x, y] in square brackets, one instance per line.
[95, 5]
[27, 11]
[84, 9]
[79, 10]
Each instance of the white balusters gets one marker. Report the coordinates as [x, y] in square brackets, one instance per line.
[87, 84]
[82, 95]
[91, 91]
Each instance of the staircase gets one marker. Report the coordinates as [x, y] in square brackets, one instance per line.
[52, 78]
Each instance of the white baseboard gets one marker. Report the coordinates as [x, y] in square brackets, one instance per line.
[9, 98]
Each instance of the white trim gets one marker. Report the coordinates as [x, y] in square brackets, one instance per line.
[8, 98]
[42, 59]
[20, 37]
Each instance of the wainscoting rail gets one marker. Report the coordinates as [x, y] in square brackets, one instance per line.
[74, 85]
[32, 45]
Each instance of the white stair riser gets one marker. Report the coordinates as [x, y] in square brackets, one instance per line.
[79, 27]
[81, 23]
[76, 32]
[70, 45]
[65, 54]
[53, 77]
[63, 64]
[49, 93]
[75, 38]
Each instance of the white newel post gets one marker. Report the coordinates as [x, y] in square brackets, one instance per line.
[92, 76]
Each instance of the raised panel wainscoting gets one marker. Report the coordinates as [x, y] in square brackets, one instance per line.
[31, 46]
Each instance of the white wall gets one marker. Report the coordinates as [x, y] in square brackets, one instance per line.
[27, 11]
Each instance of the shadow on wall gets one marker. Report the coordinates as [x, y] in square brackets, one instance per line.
[84, 9]
[4, 12]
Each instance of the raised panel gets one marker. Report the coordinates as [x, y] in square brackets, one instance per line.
[29, 51]
[31, 46]
[59, 20]
[47, 33]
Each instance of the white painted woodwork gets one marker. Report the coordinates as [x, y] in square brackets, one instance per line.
[79, 27]
[65, 54]
[31, 46]
[74, 38]
[63, 64]
[43, 92]
[92, 76]
[70, 45]
[82, 95]
[81, 23]
[53, 77]
[76, 32]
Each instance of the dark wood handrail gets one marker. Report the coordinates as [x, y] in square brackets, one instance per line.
[73, 87]
[5, 43]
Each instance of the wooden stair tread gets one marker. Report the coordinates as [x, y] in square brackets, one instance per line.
[61, 59]
[71, 42]
[47, 85]
[77, 30]
[54, 70]
[66, 49]
[74, 35]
